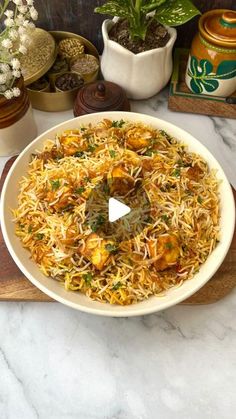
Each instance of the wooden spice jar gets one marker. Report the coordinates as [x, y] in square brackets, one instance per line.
[17, 125]
[211, 66]
[100, 96]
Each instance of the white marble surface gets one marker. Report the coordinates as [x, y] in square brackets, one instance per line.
[56, 363]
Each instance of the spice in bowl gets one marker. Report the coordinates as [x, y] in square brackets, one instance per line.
[70, 48]
[87, 65]
[68, 81]
[41, 85]
[59, 66]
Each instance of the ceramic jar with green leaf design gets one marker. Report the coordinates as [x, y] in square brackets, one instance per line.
[211, 65]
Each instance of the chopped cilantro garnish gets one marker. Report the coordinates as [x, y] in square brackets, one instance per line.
[30, 228]
[79, 154]
[79, 190]
[21, 226]
[169, 245]
[55, 184]
[106, 188]
[88, 278]
[167, 136]
[83, 129]
[96, 224]
[176, 173]
[118, 124]
[111, 247]
[165, 218]
[148, 220]
[91, 148]
[112, 153]
[117, 286]
[148, 153]
[39, 236]
[199, 200]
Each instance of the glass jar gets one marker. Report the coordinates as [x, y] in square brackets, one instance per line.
[211, 67]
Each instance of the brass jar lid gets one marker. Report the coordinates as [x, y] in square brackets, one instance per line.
[100, 96]
[219, 27]
[40, 56]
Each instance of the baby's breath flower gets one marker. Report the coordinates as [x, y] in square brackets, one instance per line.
[21, 30]
[16, 73]
[9, 22]
[3, 78]
[33, 13]
[15, 63]
[9, 13]
[8, 94]
[18, 2]
[16, 91]
[13, 34]
[22, 49]
[4, 67]
[20, 19]
[23, 9]
[6, 43]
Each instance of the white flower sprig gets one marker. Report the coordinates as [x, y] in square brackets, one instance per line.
[14, 41]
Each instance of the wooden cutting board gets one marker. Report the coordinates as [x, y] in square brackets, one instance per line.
[15, 287]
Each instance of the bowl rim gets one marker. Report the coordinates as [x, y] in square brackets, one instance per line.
[120, 311]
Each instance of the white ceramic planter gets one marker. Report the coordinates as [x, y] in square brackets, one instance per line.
[141, 75]
[17, 136]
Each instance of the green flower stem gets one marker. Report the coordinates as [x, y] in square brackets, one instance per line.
[3, 8]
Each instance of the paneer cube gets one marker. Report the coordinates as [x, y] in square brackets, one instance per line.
[167, 247]
[96, 250]
[120, 181]
[138, 138]
[73, 143]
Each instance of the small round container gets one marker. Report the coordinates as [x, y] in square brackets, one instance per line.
[68, 81]
[70, 48]
[41, 85]
[211, 68]
[87, 65]
[58, 101]
[100, 96]
[40, 56]
[59, 67]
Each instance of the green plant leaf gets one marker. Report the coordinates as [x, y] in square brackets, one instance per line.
[149, 6]
[176, 12]
[226, 70]
[119, 8]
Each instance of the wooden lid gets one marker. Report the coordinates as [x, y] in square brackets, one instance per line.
[100, 96]
[219, 27]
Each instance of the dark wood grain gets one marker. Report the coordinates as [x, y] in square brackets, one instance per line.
[78, 16]
[15, 287]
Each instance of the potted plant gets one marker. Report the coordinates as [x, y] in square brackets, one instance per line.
[138, 44]
[17, 126]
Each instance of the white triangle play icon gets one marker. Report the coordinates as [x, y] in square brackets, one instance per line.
[116, 210]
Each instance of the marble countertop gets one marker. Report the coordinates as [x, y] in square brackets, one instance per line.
[58, 363]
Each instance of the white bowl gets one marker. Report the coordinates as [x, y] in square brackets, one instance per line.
[75, 299]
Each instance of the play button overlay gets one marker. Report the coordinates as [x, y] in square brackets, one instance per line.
[119, 217]
[116, 210]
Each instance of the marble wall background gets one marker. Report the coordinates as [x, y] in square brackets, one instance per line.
[78, 16]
